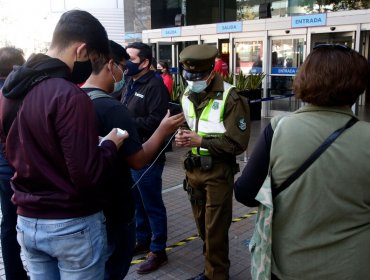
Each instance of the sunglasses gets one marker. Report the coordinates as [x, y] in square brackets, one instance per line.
[332, 46]
[195, 76]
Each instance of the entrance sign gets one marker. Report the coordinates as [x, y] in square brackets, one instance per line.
[308, 20]
[227, 27]
[171, 32]
[284, 70]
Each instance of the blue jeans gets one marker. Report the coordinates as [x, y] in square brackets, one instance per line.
[151, 217]
[9, 246]
[121, 244]
[67, 249]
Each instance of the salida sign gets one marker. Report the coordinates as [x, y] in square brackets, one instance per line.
[171, 32]
[309, 20]
[227, 27]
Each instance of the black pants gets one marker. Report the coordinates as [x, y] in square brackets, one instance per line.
[10, 248]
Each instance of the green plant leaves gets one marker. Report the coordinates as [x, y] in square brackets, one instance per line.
[245, 82]
[177, 89]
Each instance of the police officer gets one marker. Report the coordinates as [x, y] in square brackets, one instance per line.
[219, 128]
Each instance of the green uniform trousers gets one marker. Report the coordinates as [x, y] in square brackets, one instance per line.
[213, 215]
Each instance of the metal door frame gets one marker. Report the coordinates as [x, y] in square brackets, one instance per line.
[270, 112]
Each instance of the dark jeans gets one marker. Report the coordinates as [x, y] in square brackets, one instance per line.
[9, 246]
[151, 217]
[121, 244]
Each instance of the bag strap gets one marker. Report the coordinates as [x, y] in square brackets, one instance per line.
[97, 93]
[328, 141]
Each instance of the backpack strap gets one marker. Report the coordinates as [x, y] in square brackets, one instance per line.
[98, 93]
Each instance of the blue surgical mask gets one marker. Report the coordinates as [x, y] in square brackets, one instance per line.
[118, 85]
[197, 86]
[132, 68]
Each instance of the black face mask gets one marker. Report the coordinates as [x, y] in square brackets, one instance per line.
[81, 71]
[132, 68]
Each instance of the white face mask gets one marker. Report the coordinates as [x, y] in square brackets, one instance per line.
[198, 86]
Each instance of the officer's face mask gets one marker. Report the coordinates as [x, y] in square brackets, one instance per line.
[118, 85]
[198, 86]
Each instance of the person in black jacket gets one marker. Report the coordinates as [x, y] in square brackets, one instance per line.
[146, 97]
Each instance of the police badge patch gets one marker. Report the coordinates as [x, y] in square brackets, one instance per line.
[242, 124]
[215, 105]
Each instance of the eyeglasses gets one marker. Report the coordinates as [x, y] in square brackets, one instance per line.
[333, 46]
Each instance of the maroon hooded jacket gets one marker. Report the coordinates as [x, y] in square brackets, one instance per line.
[53, 144]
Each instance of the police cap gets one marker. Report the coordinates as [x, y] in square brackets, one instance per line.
[198, 58]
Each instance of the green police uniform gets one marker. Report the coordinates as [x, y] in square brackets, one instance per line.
[210, 169]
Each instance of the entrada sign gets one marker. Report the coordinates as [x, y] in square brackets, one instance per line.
[284, 71]
[308, 20]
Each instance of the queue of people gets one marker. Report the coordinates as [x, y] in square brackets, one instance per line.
[82, 198]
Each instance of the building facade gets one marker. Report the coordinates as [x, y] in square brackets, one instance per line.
[273, 38]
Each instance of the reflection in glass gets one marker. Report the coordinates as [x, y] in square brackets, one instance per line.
[249, 56]
[286, 56]
[165, 54]
[249, 9]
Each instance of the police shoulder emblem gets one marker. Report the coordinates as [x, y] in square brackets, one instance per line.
[242, 124]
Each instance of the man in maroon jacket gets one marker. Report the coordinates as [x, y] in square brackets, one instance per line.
[52, 143]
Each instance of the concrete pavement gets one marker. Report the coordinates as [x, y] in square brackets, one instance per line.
[184, 247]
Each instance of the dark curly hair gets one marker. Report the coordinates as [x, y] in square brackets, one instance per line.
[331, 75]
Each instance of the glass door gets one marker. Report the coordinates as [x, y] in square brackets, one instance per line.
[248, 56]
[169, 52]
[343, 38]
[286, 56]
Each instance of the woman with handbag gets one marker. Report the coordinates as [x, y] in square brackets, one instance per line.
[320, 218]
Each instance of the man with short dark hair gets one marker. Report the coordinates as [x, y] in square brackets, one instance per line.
[9, 56]
[52, 143]
[11, 251]
[146, 97]
[106, 79]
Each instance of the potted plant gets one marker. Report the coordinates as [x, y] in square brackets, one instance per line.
[178, 87]
[251, 87]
